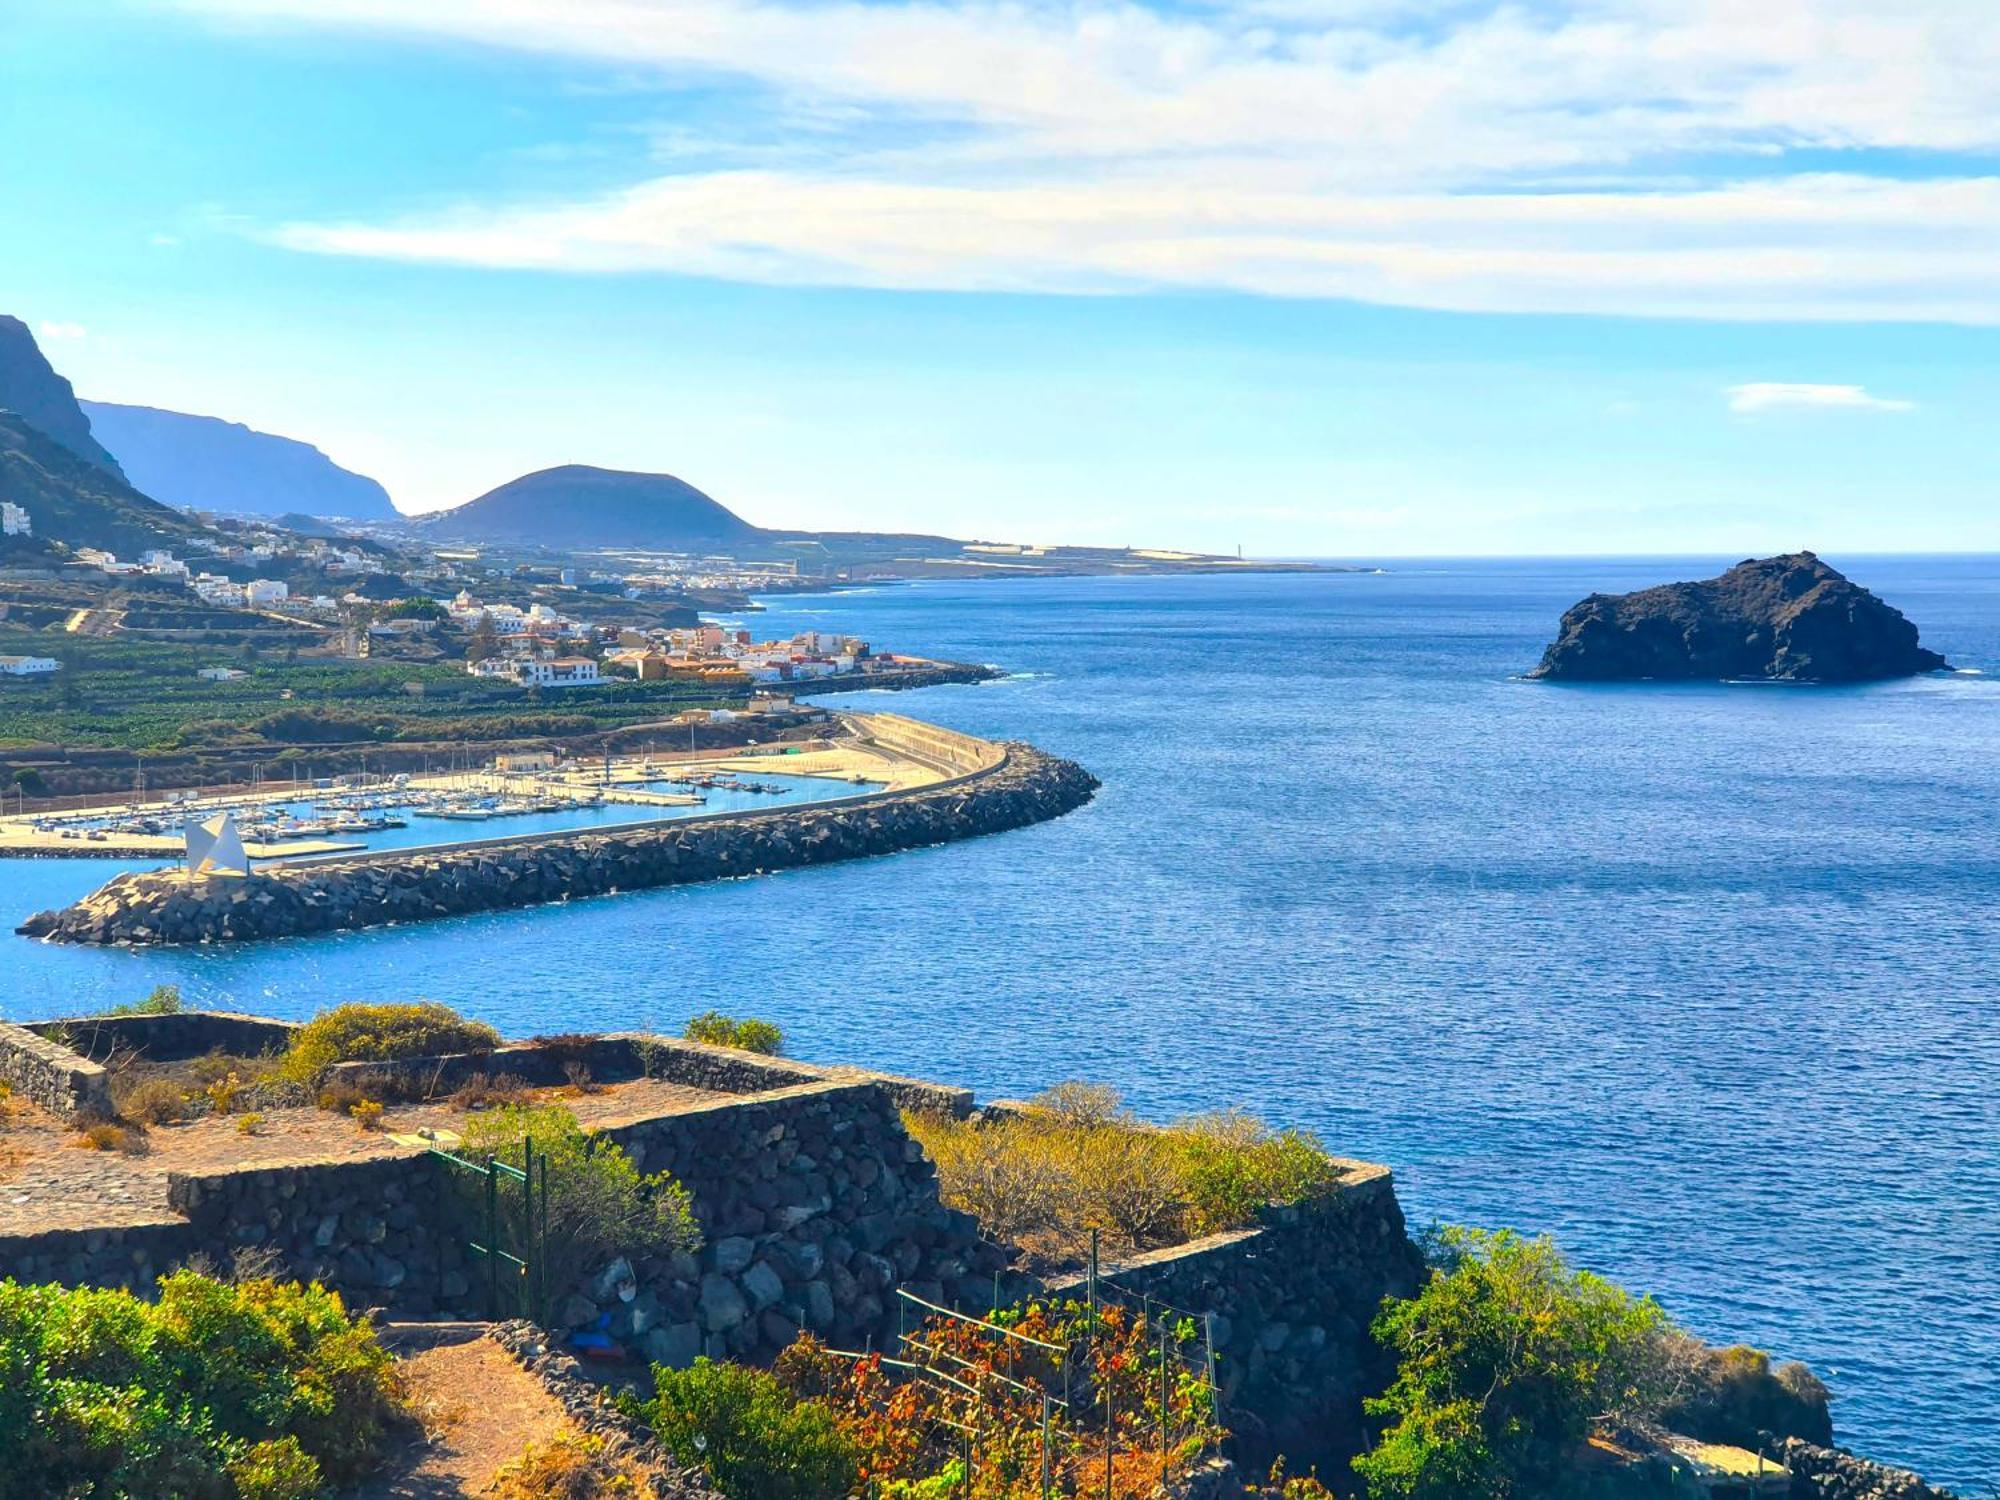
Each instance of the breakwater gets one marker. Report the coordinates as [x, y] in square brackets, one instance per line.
[1021, 786]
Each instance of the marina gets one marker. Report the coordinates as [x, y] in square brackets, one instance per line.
[352, 814]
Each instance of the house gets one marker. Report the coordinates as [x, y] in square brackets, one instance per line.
[221, 674]
[28, 666]
[564, 671]
[14, 520]
[651, 666]
[264, 591]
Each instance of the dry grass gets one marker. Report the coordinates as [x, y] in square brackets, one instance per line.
[1076, 1161]
[570, 1466]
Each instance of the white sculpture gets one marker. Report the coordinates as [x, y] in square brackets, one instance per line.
[216, 848]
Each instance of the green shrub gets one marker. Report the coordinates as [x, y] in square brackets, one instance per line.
[752, 1437]
[600, 1205]
[718, 1030]
[165, 1000]
[276, 1469]
[1503, 1357]
[254, 1389]
[1232, 1164]
[381, 1033]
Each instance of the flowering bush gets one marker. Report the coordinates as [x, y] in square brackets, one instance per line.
[381, 1033]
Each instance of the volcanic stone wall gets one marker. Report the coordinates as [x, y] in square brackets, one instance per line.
[51, 1074]
[1835, 1474]
[1290, 1304]
[815, 1205]
[371, 890]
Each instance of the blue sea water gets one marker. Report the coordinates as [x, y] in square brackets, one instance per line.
[1702, 980]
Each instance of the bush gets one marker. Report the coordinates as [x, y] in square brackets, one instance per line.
[164, 1000]
[599, 1205]
[1074, 1161]
[381, 1033]
[1503, 1357]
[276, 1469]
[1733, 1395]
[257, 1390]
[482, 1092]
[718, 1030]
[366, 1113]
[751, 1436]
[148, 1098]
[102, 1135]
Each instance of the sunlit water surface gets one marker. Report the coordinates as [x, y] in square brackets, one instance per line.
[1700, 979]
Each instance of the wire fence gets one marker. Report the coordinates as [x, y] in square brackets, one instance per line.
[1121, 1394]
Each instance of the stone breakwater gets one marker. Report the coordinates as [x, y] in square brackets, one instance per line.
[166, 906]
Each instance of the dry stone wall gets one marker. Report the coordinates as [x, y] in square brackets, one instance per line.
[815, 1205]
[1291, 1302]
[51, 1075]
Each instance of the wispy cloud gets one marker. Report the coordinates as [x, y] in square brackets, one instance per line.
[1778, 395]
[1577, 155]
[62, 331]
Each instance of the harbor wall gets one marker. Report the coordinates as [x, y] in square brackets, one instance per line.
[1025, 786]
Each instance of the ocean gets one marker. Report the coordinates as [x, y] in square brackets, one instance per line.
[1699, 979]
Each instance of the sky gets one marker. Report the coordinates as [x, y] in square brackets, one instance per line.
[1340, 278]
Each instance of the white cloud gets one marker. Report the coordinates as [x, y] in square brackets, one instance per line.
[1484, 155]
[1778, 395]
[56, 331]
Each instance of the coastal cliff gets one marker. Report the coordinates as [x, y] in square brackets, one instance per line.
[167, 906]
[1784, 619]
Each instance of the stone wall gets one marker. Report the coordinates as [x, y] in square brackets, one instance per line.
[815, 1205]
[934, 745]
[1291, 1302]
[51, 1074]
[371, 890]
[621, 1055]
[170, 1038]
[813, 1200]
[128, 1256]
[1835, 1474]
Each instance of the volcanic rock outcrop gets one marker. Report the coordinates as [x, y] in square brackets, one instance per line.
[1784, 619]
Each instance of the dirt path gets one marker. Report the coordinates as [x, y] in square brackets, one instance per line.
[479, 1410]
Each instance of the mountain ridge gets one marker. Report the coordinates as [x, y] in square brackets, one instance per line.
[31, 388]
[212, 463]
[75, 502]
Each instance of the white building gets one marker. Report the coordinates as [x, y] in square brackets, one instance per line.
[28, 666]
[213, 588]
[14, 520]
[564, 671]
[264, 591]
[221, 674]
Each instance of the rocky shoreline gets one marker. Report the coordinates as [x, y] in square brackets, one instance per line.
[167, 907]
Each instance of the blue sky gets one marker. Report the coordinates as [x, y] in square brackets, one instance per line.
[1315, 277]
